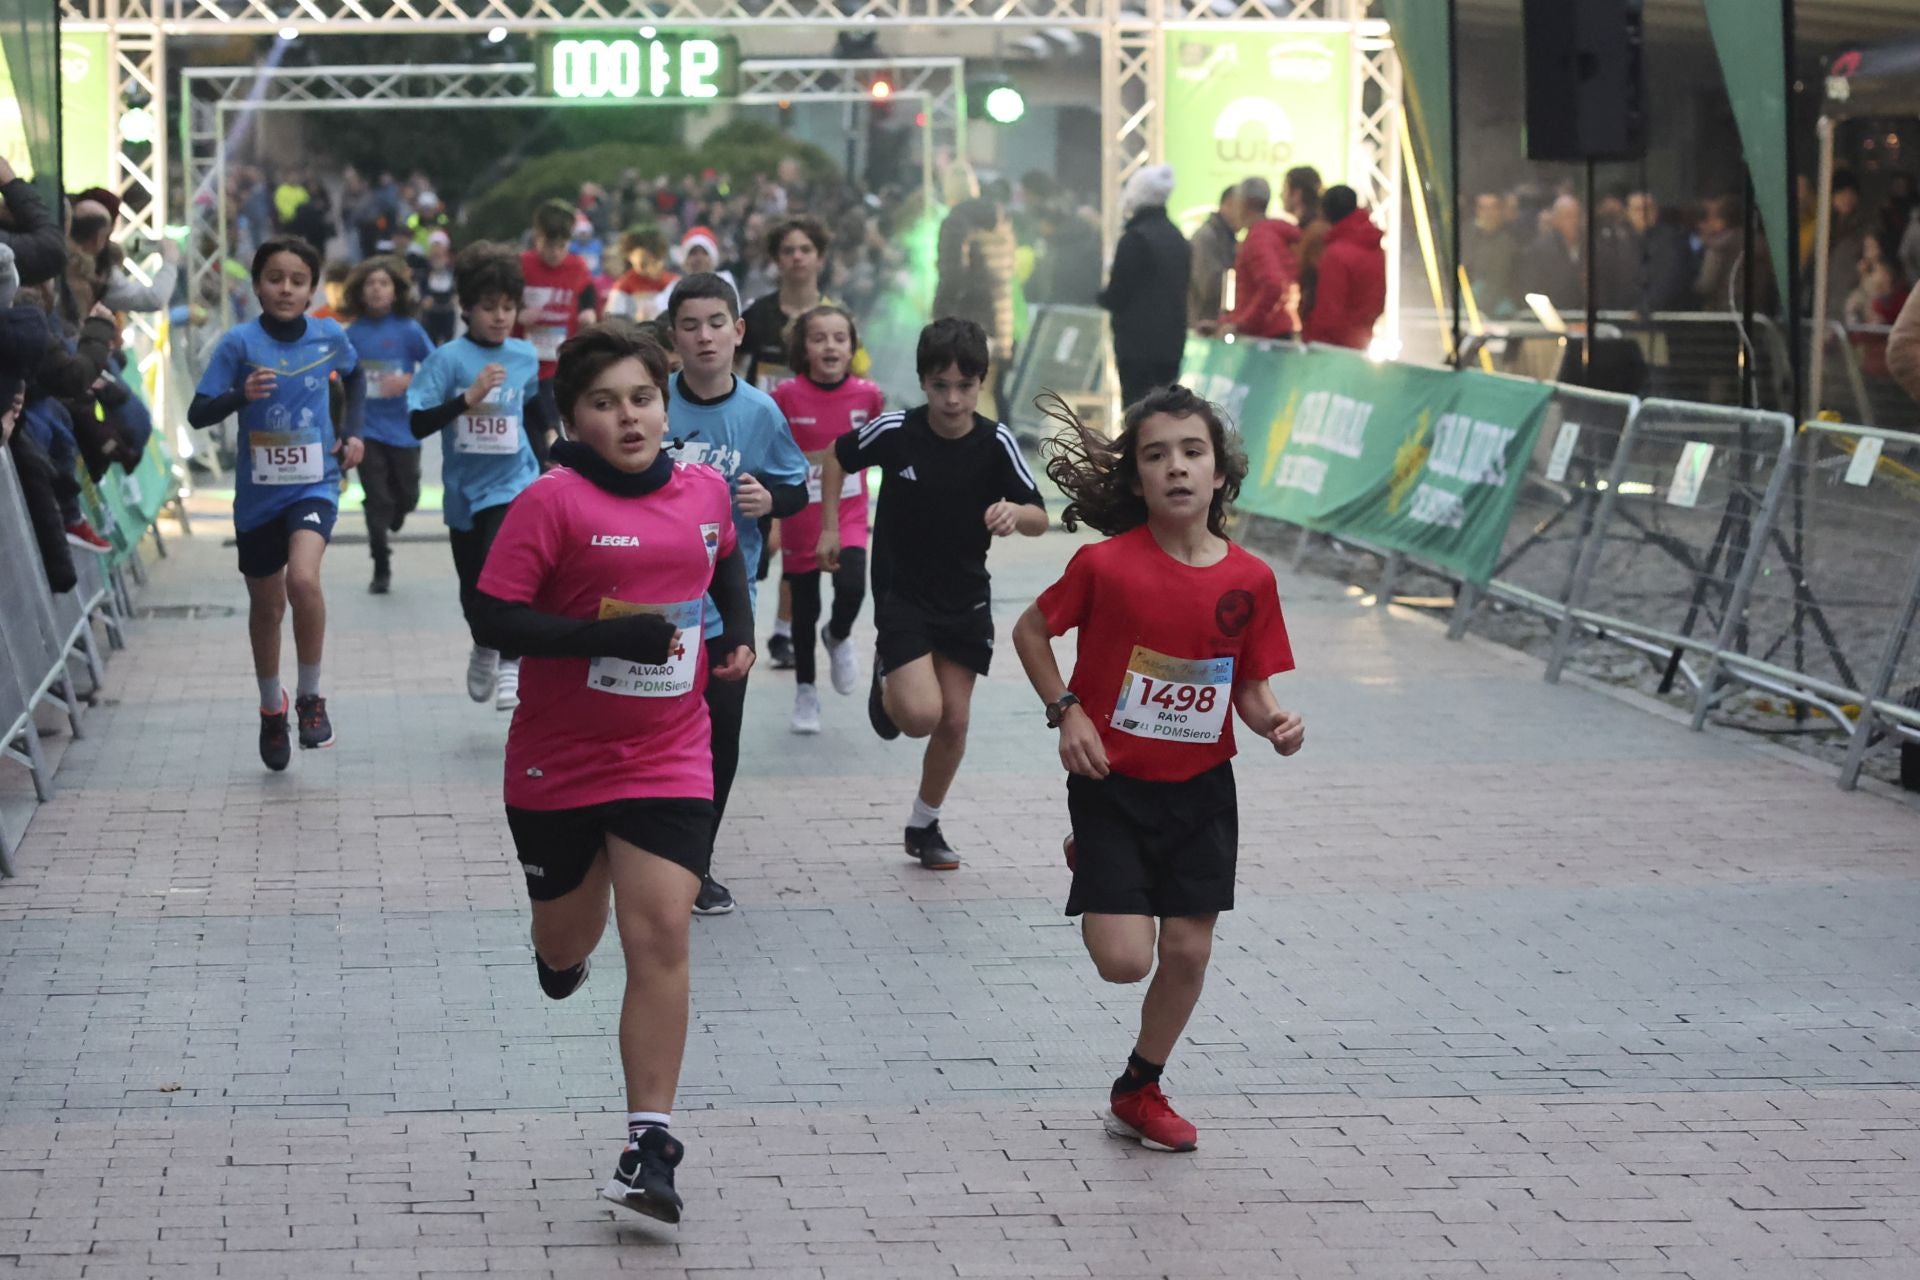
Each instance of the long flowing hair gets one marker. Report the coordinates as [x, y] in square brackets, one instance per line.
[1101, 477]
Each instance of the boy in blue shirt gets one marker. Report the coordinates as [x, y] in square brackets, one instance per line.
[379, 304]
[714, 417]
[482, 393]
[273, 372]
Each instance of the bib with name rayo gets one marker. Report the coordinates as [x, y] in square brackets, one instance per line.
[281, 457]
[1174, 699]
[488, 431]
[849, 487]
[673, 678]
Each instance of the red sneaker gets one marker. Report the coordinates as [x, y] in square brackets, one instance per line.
[1146, 1116]
[82, 532]
[1069, 847]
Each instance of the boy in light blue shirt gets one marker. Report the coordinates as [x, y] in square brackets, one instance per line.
[479, 392]
[715, 418]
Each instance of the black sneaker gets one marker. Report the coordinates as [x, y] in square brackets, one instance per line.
[643, 1180]
[560, 983]
[276, 749]
[399, 518]
[315, 729]
[877, 709]
[780, 652]
[713, 899]
[929, 844]
[382, 580]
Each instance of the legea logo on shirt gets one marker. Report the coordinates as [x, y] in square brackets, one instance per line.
[614, 540]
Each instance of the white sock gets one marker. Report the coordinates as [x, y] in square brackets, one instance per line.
[638, 1122]
[309, 679]
[272, 696]
[783, 627]
[924, 814]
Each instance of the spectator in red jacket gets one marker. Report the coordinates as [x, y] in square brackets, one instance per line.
[1266, 274]
[1352, 288]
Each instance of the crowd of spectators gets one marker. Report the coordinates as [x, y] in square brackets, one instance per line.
[1652, 258]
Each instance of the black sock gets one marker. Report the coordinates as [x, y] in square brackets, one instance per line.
[557, 983]
[1139, 1074]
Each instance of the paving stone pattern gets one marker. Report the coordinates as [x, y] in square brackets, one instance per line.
[1523, 982]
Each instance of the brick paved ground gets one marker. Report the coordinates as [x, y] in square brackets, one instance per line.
[1525, 982]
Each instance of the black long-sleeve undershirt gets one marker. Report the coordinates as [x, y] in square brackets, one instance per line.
[788, 499]
[515, 627]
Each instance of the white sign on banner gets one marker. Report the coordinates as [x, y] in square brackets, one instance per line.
[1562, 455]
[1690, 474]
[1866, 456]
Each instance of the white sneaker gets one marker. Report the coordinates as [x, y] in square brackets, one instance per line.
[506, 685]
[482, 664]
[806, 709]
[845, 661]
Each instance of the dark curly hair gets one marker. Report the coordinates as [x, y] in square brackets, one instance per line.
[354, 304]
[1102, 476]
[809, 227]
[597, 348]
[797, 335]
[487, 267]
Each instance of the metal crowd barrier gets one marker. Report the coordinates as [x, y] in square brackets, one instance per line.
[1670, 563]
[38, 634]
[1822, 612]
[1569, 479]
[1891, 711]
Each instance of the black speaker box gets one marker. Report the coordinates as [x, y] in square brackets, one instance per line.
[1586, 91]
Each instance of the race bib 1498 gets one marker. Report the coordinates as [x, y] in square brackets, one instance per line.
[1174, 699]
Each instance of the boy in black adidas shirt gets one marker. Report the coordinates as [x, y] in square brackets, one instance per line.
[953, 482]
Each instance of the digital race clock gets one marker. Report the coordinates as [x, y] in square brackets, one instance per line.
[603, 67]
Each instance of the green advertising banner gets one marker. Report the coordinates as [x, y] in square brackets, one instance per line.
[1424, 461]
[1243, 104]
[86, 105]
[29, 93]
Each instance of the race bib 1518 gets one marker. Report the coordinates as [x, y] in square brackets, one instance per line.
[487, 433]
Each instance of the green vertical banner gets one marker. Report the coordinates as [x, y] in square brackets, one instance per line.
[29, 90]
[1751, 40]
[1421, 39]
[1243, 104]
[86, 106]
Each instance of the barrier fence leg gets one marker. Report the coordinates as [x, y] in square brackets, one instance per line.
[179, 505]
[1882, 683]
[36, 761]
[1749, 550]
[1389, 578]
[1592, 539]
[6, 857]
[1463, 607]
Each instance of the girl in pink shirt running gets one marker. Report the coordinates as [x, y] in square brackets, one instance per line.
[822, 404]
[599, 576]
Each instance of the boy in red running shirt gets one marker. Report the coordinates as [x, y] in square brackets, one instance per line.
[1177, 626]
[558, 300]
[822, 403]
[599, 575]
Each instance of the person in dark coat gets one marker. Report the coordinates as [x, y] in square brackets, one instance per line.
[36, 236]
[1146, 293]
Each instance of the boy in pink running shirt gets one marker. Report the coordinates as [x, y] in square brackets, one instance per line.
[822, 403]
[598, 576]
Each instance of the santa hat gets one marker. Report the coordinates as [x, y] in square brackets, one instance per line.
[700, 238]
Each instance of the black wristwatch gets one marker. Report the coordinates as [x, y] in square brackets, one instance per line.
[1057, 709]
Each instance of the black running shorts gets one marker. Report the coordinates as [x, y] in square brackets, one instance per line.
[263, 548]
[557, 846]
[909, 630]
[1154, 848]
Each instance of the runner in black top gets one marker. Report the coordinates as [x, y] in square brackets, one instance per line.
[953, 481]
